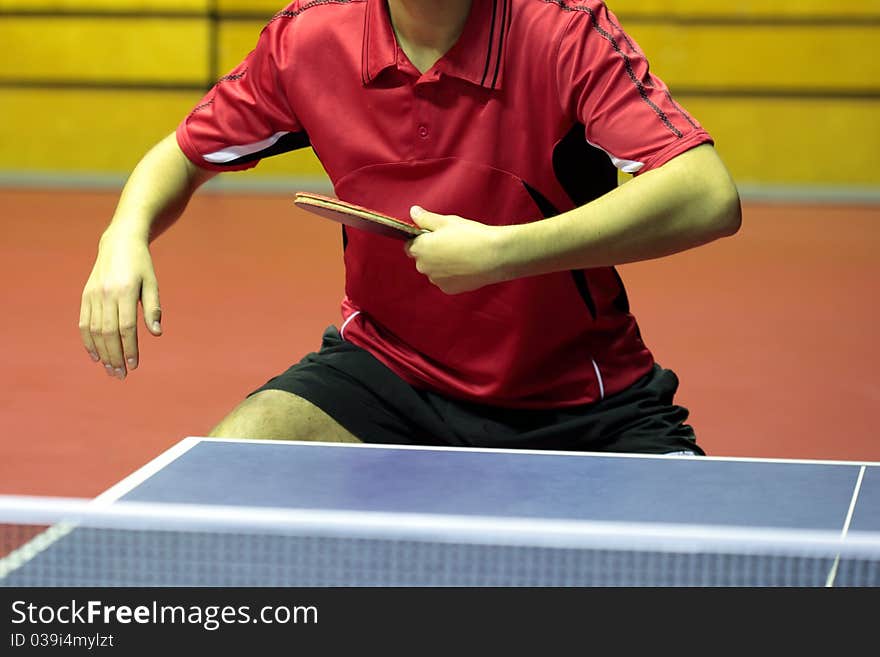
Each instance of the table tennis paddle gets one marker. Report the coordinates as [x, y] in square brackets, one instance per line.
[357, 216]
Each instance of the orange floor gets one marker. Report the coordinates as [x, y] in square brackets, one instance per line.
[771, 331]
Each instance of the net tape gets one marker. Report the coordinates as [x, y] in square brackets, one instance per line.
[198, 545]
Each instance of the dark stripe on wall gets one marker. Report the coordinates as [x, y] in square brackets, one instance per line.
[216, 16]
[202, 87]
[770, 93]
[733, 20]
[213, 40]
[109, 85]
[98, 14]
[841, 20]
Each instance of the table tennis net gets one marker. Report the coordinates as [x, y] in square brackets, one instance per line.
[50, 542]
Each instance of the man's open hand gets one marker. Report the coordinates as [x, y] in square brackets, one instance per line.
[122, 276]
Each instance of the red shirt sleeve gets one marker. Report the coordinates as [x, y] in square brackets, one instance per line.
[246, 115]
[605, 83]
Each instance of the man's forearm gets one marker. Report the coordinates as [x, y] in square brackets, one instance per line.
[688, 202]
[157, 192]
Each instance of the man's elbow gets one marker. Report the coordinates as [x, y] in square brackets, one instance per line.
[724, 209]
[729, 211]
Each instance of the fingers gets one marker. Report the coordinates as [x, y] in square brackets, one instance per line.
[85, 329]
[97, 335]
[428, 220]
[127, 319]
[423, 219]
[152, 308]
[90, 329]
[121, 278]
[108, 324]
[115, 364]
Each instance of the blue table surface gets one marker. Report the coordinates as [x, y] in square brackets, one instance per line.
[731, 492]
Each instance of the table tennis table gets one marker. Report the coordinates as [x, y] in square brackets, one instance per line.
[322, 514]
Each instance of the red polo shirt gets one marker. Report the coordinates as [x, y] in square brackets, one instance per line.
[525, 117]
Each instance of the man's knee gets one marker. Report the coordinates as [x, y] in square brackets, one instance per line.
[279, 415]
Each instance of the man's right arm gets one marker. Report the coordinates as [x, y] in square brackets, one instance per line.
[153, 198]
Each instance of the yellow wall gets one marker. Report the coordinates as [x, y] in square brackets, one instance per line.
[789, 88]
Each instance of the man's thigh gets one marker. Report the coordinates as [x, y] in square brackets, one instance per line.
[280, 415]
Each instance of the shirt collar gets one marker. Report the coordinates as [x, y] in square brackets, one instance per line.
[477, 56]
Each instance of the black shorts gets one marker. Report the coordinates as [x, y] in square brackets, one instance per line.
[377, 406]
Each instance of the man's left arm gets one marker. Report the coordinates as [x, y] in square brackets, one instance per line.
[689, 201]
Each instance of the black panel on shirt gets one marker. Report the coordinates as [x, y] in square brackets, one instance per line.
[290, 142]
[586, 173]
[580, 280]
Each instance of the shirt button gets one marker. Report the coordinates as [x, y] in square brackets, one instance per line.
[423, 132]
